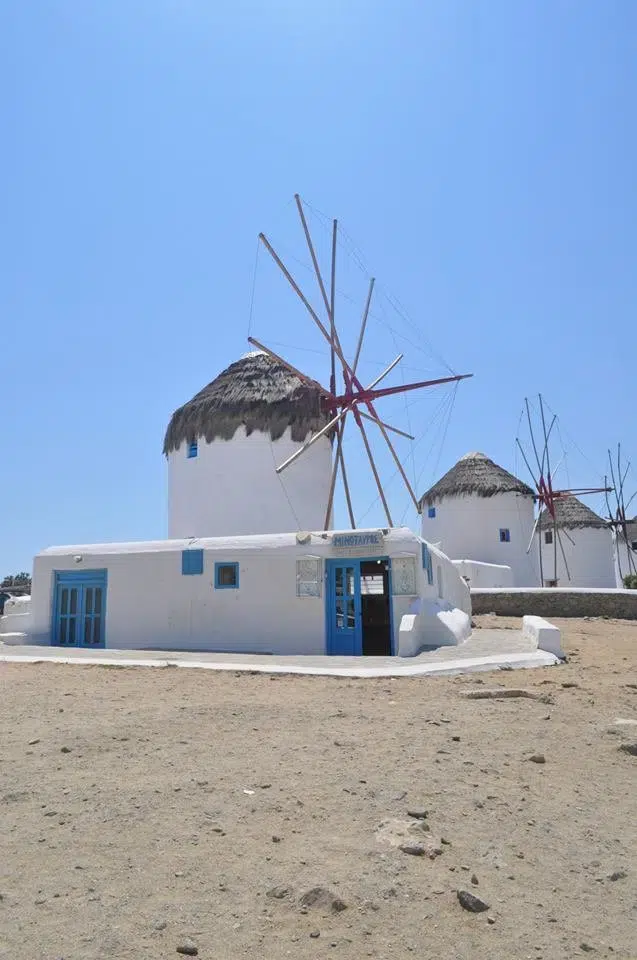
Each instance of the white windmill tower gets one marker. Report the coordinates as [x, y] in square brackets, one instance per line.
[261, 448]
[624, 530]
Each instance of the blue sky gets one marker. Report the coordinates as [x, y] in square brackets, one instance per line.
[481, 155]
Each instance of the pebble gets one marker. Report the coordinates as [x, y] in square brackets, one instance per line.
[537, 758]
[418, 813]
[586, 947]
[491, 920]
[65, 750]
[456, 739]
[413, 849]
[160, 925]
[618, 875]
[188, 949]
[276, 839]
[278, 893]
[315, 934]
[322, 897]
[471, 903]
[32, 743]
[474, 880]
[630, 748]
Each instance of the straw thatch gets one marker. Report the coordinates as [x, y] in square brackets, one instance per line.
[572, 514]
[257, 393]
[475, 475]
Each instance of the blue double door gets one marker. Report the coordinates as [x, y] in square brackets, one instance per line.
[79, 608]
[359, 608]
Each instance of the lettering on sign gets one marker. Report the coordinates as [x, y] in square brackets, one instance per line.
[357, 540]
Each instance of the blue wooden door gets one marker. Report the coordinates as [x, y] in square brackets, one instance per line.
[344, 634]
[79, 609]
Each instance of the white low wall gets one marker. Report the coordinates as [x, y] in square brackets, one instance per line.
[545, 636]
[16, 620]
[432, 623]
[483, 575]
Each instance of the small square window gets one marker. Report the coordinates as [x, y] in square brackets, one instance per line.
[548, 537]
[226, 576]
[191, 562]
[505, 535]
[431, 513]
[193, 449]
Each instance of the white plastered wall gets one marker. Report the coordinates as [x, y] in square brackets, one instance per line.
[232, 488]
[484, 575]
[590, 558]
[468, 527]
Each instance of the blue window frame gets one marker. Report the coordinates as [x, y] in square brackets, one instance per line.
[193, 449]
[226, 576]
[191, 562]
[431, 513]
[427, 563]
[505, 535]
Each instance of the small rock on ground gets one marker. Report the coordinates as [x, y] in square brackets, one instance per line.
[324, 899]
[537, 758]
[413, 849]
[278, 893]
[630, 748]
[418, 813]
[471, 903]
[188, 949]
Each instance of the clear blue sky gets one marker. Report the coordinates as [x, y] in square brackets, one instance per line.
[482, 155]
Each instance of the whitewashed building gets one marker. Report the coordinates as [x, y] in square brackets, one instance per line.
[223, 447]
[479, 512]
[587, 542]
[355, 592]
[230, 579]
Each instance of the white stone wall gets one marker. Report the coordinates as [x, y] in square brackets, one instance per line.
[590, 558]
[231, 487]
[468, 527]
[484, 574]
[17, 617]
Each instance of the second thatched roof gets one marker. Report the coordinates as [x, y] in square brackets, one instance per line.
[572, 514]
[255, 392]
[475, 475]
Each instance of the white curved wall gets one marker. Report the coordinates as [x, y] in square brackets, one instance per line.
[484, 575]
[590, 558]
[468, 527]
[231, 487]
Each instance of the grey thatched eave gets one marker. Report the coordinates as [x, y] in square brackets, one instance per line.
[572, 514]
[475, 475]
[257, 393]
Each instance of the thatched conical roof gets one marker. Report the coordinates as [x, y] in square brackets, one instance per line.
[571, 513]
[475, 475]
[255, 392]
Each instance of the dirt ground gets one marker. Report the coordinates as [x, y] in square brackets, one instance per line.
[144, 810]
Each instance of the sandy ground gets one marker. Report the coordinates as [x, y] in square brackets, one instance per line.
[145, 810]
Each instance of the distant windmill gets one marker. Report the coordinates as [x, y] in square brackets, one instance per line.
[354, 398]
[617, 507]
[547, 497]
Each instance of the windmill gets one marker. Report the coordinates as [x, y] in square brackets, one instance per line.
[353, 397]
[617, 514]
[548, 498]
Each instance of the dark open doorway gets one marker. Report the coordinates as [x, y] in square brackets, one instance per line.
[375, 608]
